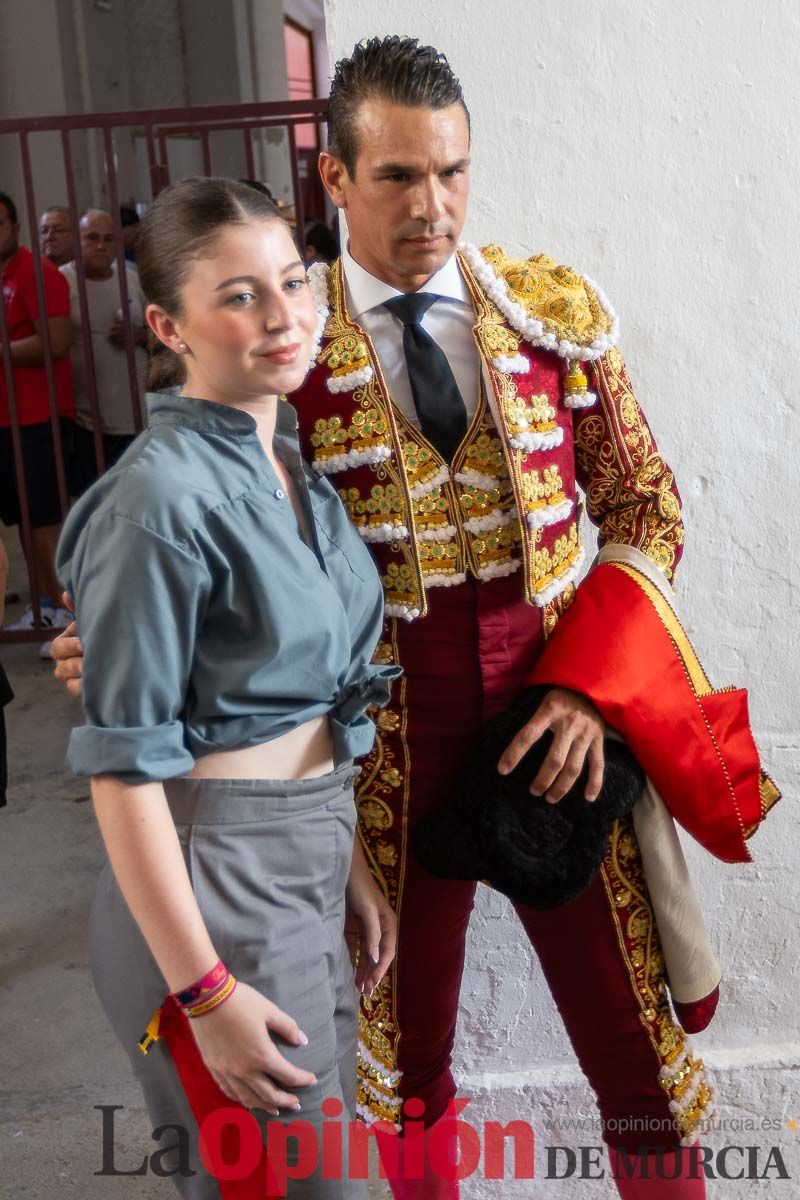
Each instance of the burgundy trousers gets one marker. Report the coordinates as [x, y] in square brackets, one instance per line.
[464, 662]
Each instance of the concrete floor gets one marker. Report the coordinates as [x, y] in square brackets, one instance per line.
[59, 1060]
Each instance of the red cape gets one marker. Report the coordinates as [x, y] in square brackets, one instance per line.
[641, 672]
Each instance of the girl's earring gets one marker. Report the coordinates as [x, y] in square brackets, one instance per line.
[182, 346]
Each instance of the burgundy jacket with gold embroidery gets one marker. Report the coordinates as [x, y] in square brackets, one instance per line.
[508, 501]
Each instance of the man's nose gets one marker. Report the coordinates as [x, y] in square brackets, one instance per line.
[429, 202]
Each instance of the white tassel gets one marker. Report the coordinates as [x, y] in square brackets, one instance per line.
[476, 479]
[421, 489]
[495, 570]
[554, 589]
[511, 364]
[383, 533]
[550, 515]
[439, 579]
[352, 458]
[528, 442]
[445, 533]
[348, 383]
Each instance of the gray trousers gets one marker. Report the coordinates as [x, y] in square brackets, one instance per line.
[268, 861]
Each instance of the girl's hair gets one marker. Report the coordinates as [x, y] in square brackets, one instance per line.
[182, 223]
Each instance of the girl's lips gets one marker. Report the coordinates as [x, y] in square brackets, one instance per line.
[286, 354]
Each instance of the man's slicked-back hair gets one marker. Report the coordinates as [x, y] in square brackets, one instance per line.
[393, 68]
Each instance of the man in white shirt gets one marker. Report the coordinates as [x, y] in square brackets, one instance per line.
[107, 347]
[451, 411]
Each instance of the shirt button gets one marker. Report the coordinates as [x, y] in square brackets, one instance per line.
[280, 494]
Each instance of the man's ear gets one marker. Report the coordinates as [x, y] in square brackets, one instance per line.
[335, 178]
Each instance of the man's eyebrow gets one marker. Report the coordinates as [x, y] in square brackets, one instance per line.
[292, 266]
[393, 168]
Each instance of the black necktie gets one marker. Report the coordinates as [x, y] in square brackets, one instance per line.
[438, 401]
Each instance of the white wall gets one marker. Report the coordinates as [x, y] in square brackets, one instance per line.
[653, 145]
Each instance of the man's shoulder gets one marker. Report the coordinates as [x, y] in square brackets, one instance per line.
[548, 302]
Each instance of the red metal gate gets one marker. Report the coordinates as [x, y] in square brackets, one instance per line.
[156, 127]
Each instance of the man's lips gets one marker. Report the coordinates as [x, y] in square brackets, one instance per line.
[427, 243]
[283, 355]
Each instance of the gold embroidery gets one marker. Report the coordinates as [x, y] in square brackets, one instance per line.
[438, 557]
[522, 416]
[385, 505]
[420, 463]
[496, 546]
[499, 340]
[548, 565]
[367, 430]
[562, 300]
[486, 455]
[400, 585]
[431, 511]
[383, 654]
[630, 490]
[637, 935]
[345, 354]
[382, 794]
[541, 489]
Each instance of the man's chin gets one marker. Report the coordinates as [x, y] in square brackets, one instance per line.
[425, 258]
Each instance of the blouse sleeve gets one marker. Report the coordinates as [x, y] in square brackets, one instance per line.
[139, 602]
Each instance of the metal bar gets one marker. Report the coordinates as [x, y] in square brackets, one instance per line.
[156, 168]
[164, 152]
[206, 142]
[202, 113]
[234, 124]
[55, 419]
[248, 152]
[300, 232]
[122, 278]
[83, 305]
[19, 466]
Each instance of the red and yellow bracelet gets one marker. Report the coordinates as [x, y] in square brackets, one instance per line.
[207, 993]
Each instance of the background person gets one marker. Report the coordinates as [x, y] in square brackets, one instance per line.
[129, 219]
[6, 695]
[55, 235]
[98, 246]
[33, 406]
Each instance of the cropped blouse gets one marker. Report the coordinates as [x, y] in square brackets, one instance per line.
[208, 622]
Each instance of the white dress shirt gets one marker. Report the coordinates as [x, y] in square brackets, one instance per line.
[448, 321]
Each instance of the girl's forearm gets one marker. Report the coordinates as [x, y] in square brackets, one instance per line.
[147, 860]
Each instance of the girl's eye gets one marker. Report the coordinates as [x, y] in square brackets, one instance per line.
[294, 285]
[241, 298]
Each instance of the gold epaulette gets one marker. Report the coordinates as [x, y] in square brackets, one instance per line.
[568, 305]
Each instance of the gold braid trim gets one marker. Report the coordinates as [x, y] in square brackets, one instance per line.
[682, 1076]
[630, 490]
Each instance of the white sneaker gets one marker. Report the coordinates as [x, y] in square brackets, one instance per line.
[26, 620]
[62, 618]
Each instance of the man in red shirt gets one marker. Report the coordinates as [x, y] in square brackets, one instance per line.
[26, 346]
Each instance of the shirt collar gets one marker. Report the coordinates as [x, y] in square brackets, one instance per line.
[366, 292]
[206, 416]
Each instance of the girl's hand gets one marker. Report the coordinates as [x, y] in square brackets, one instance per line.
[370, 925]
[234, 1040]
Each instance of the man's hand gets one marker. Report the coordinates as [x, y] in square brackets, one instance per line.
[116, 335]
[577, 729]
[67, 651]
[370, 924]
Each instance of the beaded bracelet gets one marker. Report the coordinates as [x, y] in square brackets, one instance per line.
[207, 993]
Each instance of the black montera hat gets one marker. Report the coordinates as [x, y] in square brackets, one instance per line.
[493, 829]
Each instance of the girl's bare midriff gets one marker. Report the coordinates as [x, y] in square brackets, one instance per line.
[303, 753]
